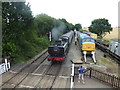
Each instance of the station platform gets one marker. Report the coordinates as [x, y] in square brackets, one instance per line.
[90, 83]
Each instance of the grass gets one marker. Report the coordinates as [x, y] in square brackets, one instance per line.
[105, 40]
[111, 66]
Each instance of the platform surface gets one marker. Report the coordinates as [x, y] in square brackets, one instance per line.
[90, 83]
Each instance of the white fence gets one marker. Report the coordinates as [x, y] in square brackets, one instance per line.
[4, 67]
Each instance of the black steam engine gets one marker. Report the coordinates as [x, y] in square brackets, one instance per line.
[58, 51]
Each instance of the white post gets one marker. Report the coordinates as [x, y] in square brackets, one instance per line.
[71, 86]
[4, 68]
[1, 69]
[84, 52]
[93, 56]
[73, 69]
[72, 77]
[50, 36]
[6, 64]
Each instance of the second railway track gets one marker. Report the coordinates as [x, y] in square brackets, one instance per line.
[108, 52]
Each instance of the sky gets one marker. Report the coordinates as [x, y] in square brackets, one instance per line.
[78, 11]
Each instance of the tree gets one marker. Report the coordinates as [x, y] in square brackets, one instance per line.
[44, 24]
[100, 27]
[17, 21]
[78, 27]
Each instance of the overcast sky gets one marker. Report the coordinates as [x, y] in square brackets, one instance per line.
[78, 11]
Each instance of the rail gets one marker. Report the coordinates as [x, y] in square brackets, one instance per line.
[108, 52]
[102, 43]
[103, 77]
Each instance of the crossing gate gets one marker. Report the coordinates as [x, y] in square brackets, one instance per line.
[4, 67]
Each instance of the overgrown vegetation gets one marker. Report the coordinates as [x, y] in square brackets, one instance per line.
[78, 27]
[106, 40]
[99, 37]
[24, 36]
[111, 66]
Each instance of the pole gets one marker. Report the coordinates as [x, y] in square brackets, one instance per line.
[6, 64]
[50, 37]
[84, 52]
[72, 77]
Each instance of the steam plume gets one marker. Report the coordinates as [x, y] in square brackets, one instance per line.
[57, 31]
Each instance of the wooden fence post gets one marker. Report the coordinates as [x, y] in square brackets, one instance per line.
[112, 81]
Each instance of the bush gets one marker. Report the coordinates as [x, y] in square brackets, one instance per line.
[99, 37]
[106, 40]
[28, 49]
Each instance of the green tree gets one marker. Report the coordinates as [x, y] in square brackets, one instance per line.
[78, 27]
[100, 27]
[44, 24]
[17, 21]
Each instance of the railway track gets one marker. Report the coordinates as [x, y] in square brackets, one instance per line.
[29, 67]
[108, 52]
[35, 75]
[56, 74]
[41, 73]
[50, 73]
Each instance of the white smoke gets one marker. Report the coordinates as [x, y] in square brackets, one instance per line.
[56, 31]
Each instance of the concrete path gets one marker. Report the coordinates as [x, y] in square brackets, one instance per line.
[90, 83]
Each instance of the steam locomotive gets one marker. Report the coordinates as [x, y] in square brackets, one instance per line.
[59, 50]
